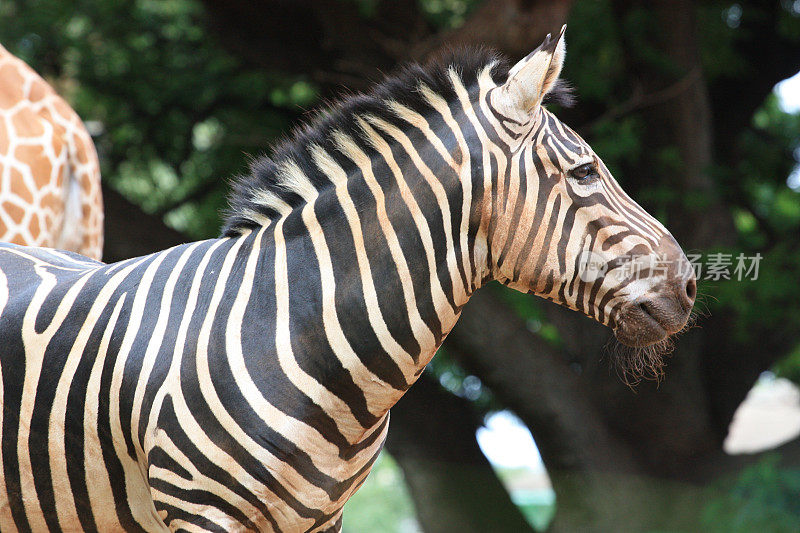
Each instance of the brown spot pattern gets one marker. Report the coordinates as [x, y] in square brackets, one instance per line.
[46, 155]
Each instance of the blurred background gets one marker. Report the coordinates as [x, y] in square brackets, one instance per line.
[520, 423]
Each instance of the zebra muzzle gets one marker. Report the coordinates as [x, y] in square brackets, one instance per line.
[658, 314]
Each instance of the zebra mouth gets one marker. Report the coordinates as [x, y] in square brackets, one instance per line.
[650, 320]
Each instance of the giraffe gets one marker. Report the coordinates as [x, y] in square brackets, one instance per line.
[49, 173]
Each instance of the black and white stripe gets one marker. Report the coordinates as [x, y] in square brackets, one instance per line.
[244, 383]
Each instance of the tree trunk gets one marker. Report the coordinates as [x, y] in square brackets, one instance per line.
[452, 484]
[599, 482]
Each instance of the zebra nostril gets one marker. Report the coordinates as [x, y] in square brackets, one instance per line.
[691, 290]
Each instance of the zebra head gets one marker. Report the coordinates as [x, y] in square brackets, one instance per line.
[561, 226]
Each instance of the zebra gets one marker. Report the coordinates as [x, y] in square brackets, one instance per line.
[244, 383]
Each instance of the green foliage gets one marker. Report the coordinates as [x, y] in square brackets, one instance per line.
[763, 498]
[720, 22]
[366, 8]
[618, 141]
[767, 217]
[178, 113]
[593, 66]
[448, 13]
[761, 303]
[789, 366]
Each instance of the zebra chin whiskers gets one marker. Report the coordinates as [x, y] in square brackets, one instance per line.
[635, 364]
[702, 301]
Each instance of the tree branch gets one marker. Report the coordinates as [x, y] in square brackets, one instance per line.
[639, 100]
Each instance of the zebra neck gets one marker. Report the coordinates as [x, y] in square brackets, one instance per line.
[366, 285]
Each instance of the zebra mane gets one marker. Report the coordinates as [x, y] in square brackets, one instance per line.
[270, 189]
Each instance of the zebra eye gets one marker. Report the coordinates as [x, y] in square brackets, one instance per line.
[584, 172]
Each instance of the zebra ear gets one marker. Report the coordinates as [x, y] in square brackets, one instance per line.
[531, 79]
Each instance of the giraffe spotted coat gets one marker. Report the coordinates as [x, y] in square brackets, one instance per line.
[49, 174]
